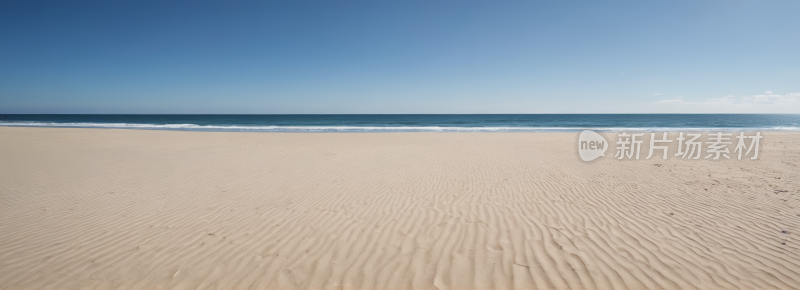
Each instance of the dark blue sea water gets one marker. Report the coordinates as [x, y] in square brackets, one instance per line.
[419, 123]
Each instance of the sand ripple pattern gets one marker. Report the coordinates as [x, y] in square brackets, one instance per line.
[127, 209]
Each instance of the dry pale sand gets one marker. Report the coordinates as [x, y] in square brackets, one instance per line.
[128, 209]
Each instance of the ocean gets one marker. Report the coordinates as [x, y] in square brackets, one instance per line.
[419, 123]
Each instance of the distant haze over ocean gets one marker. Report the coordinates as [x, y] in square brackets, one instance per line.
[419, 123]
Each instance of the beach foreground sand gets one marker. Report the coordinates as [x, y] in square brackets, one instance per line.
[130, 209]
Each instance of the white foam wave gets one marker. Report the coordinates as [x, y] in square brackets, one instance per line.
[240, 128]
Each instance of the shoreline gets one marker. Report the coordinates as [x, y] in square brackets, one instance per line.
[434, 129]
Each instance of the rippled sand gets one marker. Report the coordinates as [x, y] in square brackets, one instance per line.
[130, 209]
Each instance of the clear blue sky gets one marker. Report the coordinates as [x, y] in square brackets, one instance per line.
[392, 56]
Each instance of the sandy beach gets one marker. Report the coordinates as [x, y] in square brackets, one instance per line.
[139, 209]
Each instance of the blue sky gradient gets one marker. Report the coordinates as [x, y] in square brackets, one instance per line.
[282, 57]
